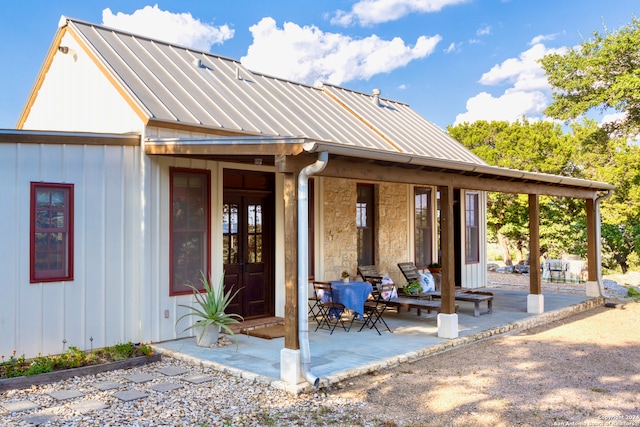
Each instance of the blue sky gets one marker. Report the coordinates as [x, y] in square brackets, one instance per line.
[451, 60]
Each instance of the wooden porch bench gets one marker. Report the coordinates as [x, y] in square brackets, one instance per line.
[418, 304]
[475, 298]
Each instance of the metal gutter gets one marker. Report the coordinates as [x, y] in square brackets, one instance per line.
[454, 166]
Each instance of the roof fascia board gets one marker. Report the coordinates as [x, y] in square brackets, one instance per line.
[44, 68]
[10, 136]
[249, 146]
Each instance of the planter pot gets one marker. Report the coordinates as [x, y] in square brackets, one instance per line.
[346, 281]
[209, 337]
[435, 270]
[50, 377]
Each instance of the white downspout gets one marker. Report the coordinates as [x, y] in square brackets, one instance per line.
[599, 243]
[303, 267]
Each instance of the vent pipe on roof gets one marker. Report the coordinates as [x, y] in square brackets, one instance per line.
[197, 62]
[238, 77]
[375, 96]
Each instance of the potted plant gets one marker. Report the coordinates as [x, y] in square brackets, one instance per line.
[210, 309]
[411, 288]
[435, 267]
[345, 276]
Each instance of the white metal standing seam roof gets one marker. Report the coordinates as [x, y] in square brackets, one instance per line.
[176, 84]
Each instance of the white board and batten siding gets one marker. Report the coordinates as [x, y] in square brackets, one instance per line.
[101, 302]
[163, 309]
[474, 275]
[77, 96]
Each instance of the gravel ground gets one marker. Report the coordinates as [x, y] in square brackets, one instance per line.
[223, 401]
[583, 370]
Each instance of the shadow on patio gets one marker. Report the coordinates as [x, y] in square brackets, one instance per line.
[343, 355]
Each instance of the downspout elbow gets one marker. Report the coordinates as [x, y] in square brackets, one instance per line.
[303, 268]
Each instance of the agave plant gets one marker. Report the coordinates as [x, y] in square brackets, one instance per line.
[210, 306]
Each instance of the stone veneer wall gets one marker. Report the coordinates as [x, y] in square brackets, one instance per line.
[339, 216]
[392, 229]
[340, 245]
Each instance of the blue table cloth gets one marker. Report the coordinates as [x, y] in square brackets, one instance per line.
[351, 295]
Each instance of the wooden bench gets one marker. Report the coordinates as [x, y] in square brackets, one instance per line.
[475, 298]
[418, 304]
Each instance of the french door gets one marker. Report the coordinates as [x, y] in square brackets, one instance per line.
[248, 251]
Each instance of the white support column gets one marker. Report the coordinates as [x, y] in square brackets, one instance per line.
[291, 366]
[447, 325]
[592, 289]
[535, 303]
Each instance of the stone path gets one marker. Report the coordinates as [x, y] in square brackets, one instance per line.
[170, 393]
[121, 391]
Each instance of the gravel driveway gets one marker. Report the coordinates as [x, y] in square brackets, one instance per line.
[583, 370]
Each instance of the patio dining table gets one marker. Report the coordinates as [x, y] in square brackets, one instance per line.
[352, 294]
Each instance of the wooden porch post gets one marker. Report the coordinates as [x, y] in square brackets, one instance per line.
[535, 299]
[291, 340]
[592, 286]
[447, 318]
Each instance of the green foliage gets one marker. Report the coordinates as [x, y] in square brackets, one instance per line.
[72, 358]
[121, 351]
[601, 73]
[585, 152]
[412, 288]
[633, 292]
[210, 307]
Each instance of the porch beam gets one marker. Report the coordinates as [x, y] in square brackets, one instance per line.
[361, 170]
[447, 318]
[535, 299]
[291, 340]
[448, 250]
[592, 256]
[535, 284]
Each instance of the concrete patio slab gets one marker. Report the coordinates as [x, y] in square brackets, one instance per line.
[346, 354]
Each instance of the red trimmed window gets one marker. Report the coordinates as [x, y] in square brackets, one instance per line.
[189, 229]
[51, 246]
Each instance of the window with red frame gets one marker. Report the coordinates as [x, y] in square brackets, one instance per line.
[51, 246]
[189, 229]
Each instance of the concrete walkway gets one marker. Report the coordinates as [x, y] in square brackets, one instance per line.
[342, 355]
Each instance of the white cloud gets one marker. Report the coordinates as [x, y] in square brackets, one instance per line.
[542, 38]
[453, 47]
[484, 31]
[178, 28]
[510, 106]
[527, 91]
[309, 55]
[370, 12]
